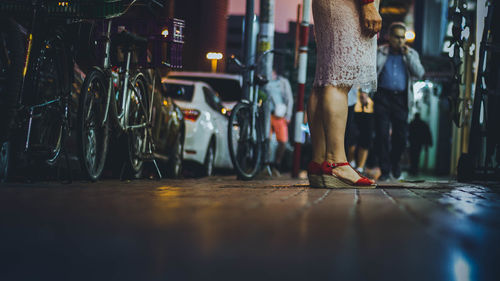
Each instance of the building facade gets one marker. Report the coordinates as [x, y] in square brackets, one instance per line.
[206, 31]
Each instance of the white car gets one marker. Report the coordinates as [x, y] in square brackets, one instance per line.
[205, 139]
[229, 86]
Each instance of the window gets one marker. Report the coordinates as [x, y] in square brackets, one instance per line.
[178, 91]
[229, 89]
[212, 99]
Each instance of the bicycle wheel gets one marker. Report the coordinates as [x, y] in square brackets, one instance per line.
[49, 84]
[137, 137]
[245, 142]
[93, 133]
[11, 66]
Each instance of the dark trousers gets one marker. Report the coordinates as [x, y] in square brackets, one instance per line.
[365, 124]
[415, 150]
[391, 111]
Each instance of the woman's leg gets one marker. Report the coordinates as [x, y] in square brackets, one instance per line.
[314, 117]
[333, 103]
[362, 156]
[366, 125]
[351, 154]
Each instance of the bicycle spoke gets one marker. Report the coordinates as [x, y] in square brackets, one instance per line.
[93, 132]
[137, 124]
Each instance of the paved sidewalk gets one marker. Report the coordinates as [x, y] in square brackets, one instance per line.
[222, 229]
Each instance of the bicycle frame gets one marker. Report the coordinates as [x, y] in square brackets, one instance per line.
[250, 134]
[35, 39]
[125, 100]
[253, 90]
[122, 120]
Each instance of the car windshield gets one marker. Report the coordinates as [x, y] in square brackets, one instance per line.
[179, 91]
[228, 89]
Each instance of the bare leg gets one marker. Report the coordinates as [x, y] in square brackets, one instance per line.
[334, 106]
[314, 117]
[362, 156]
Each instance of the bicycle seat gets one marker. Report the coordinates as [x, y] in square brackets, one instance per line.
[260, 80]
[129, 41]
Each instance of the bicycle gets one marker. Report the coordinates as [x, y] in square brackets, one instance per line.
[126, 101]
[113, 92]
[11, 67]
[35, 84]
[246, 137]
[42, 93]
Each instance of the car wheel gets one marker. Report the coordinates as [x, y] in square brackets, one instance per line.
[174, 166]
[208, 165]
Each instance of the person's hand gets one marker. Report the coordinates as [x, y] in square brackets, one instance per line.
[371, 21]
[405, 50]
[363, 98]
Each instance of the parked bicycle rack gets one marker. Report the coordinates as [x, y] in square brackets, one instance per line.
[165, 40]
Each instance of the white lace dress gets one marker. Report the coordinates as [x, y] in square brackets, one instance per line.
[345, 57]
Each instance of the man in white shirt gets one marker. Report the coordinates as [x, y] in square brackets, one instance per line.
[281, 103]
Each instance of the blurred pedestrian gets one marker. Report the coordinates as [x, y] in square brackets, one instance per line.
[372, 170]
[345, 35]
[351, 130]
[364, 125]
[397, 66]
[281, 103]
[420, 137]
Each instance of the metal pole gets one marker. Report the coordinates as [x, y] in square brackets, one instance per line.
[266, 43]
[297, 36]
[248, 51]
[266, 36]
[214, 65]
[302, 75]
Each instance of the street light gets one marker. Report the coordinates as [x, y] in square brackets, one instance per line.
[164, 32]
[214, 57]
[410, 36]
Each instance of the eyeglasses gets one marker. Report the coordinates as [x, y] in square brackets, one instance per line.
[399, 37]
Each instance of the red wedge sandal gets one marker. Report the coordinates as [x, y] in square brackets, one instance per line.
[332, 181]
[314, 174]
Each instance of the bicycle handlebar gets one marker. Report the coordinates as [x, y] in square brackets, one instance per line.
[235, 60]
[147, 3]
[259, 59]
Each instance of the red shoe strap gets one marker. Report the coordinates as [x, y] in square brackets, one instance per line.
[327, 168]
[335, 165]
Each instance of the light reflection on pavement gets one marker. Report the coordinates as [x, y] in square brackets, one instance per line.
[219, 228]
